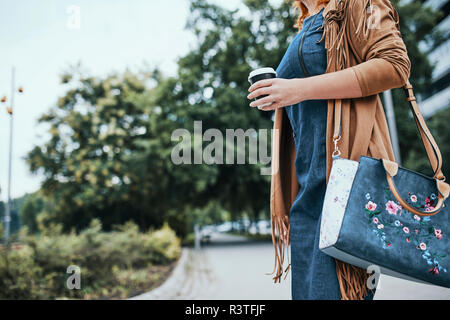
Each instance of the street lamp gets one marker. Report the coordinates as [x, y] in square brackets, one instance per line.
[9, 109]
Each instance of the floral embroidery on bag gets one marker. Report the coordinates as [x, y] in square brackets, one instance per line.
[419, 231]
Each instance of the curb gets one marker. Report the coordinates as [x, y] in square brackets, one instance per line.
[170, 285]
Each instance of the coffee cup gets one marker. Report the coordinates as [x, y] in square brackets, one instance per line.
[261, 74]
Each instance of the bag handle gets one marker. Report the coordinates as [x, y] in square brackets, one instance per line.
[431, 147]
[391, 168]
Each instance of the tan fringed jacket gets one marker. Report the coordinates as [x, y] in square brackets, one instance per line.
[363, 35]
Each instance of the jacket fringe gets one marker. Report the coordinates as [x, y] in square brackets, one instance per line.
[352, 281]
[280, 226]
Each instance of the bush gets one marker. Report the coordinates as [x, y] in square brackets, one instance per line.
[188, 240]
[36, 268]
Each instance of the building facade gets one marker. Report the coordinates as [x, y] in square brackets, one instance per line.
[437, 97]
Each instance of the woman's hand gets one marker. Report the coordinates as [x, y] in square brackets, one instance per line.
[281, 93]
[341, 84]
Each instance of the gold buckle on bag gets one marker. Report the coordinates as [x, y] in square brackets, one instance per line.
[336, 153]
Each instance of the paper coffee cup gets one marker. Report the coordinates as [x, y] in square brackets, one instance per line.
[261, 74]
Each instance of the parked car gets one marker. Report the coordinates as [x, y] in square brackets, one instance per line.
[224, 227]
[261, 227]
[206, 232]
[241, 225]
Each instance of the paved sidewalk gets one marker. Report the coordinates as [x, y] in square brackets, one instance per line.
[390, 288]
[191, 279]
[231, 267]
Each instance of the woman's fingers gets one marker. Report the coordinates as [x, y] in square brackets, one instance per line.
[259, 92]
[262, 101]
[260, 84]
[270, 107]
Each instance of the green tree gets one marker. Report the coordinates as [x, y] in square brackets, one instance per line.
[108, 155]
[417, 23]
[213, 78]
[31, 207]
[16, 222]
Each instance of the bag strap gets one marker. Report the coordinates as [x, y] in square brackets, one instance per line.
[431, 147]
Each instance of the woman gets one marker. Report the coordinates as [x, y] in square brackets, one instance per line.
[346, 52]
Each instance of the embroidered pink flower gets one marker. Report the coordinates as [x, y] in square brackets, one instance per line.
[405, 229]
[434, 270]
[371, 206]
[414, 198]
[408, 240]
[439, 237]
[438, 233]
[392, 207]
[423, 246]
[388, 244]
[375, 220]
[380, 226]
[416, 217]
[429, 208]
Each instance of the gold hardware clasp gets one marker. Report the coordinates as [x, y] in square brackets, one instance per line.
[336, 153]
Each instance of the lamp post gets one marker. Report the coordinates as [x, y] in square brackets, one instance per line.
[10, 112]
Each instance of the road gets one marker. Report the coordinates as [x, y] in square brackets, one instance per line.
[231, 267]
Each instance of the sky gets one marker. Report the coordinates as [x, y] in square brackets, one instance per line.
[41, 39]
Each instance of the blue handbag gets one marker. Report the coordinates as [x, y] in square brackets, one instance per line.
[376, 213]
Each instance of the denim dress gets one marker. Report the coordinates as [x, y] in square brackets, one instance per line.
[313, 272]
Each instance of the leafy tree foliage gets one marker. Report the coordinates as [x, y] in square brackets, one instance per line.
[108, 151]
[417, 24]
